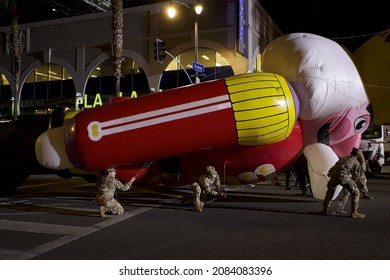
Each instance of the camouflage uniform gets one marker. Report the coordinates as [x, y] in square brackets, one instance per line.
[361, 183]
[207, 184]
[345, 172]
[106, 188]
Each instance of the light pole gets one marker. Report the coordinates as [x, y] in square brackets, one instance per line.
[198, 10]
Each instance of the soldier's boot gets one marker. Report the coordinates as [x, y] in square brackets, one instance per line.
[355, 207]
[356, 214]
[198, 207]
[102, 211]
[326, 204]
[197, 203]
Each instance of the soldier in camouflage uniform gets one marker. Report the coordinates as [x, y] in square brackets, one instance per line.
[207, 184]
[345, 172]
[361, 183]
[106, 188]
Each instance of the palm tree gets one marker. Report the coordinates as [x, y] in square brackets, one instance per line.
[16, 50]
[117, 40]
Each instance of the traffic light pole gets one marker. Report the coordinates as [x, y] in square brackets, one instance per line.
[197, 81]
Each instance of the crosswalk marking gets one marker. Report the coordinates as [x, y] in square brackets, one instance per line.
[38, 227]
[6, 254]
[68, 233]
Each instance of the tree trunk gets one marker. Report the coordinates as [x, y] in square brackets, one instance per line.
[117, 28]
[16, 50]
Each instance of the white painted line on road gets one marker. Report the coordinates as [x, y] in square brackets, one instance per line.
[38, 227]
[6, 254]
[72, 233]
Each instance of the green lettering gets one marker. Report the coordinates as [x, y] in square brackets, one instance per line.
[86, 105]
[98, 100]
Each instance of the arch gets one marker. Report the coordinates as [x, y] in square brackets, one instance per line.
[48, 92]
[8, 75]
[252, 60]
[106, 55]
[36, 64]
[140, 60]
[99, 82]
[230, 56]
[6, 93]
[27, 72]
[92, 66]
[209, 57]
[207, 44]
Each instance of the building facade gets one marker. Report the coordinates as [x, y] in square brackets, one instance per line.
[69, 61]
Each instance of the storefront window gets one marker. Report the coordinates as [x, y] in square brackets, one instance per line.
[257, 65]
[46, 88]
[5, 97]
[179, 72]
[134, 82]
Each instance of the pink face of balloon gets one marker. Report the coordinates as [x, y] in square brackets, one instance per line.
[335, 109]
[341, 130]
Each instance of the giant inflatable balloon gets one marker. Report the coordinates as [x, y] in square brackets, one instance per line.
[335, 109]
[372, 60]
[245, 125]
[320, 158]
[239, 124]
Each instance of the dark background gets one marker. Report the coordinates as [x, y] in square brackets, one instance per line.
[349, 22]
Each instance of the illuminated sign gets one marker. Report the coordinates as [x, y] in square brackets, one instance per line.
[241, 26]
[97, 101]
[83, 103]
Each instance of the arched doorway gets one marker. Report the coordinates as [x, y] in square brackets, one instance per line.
[134, 82]
[47, 87]
[5, 97]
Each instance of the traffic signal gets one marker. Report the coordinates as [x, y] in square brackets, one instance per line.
[159, 50]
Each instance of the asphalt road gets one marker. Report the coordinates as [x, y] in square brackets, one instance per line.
[50, 218]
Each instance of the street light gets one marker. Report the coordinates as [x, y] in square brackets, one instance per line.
[198, 10]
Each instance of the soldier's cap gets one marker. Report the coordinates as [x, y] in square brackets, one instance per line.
[110, 170]
[211, 170]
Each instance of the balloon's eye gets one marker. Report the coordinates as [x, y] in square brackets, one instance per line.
[360, 124]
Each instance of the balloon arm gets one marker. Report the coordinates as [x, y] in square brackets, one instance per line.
[320, 159]
[50, 149]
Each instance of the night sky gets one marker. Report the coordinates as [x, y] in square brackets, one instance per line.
[348, 22]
